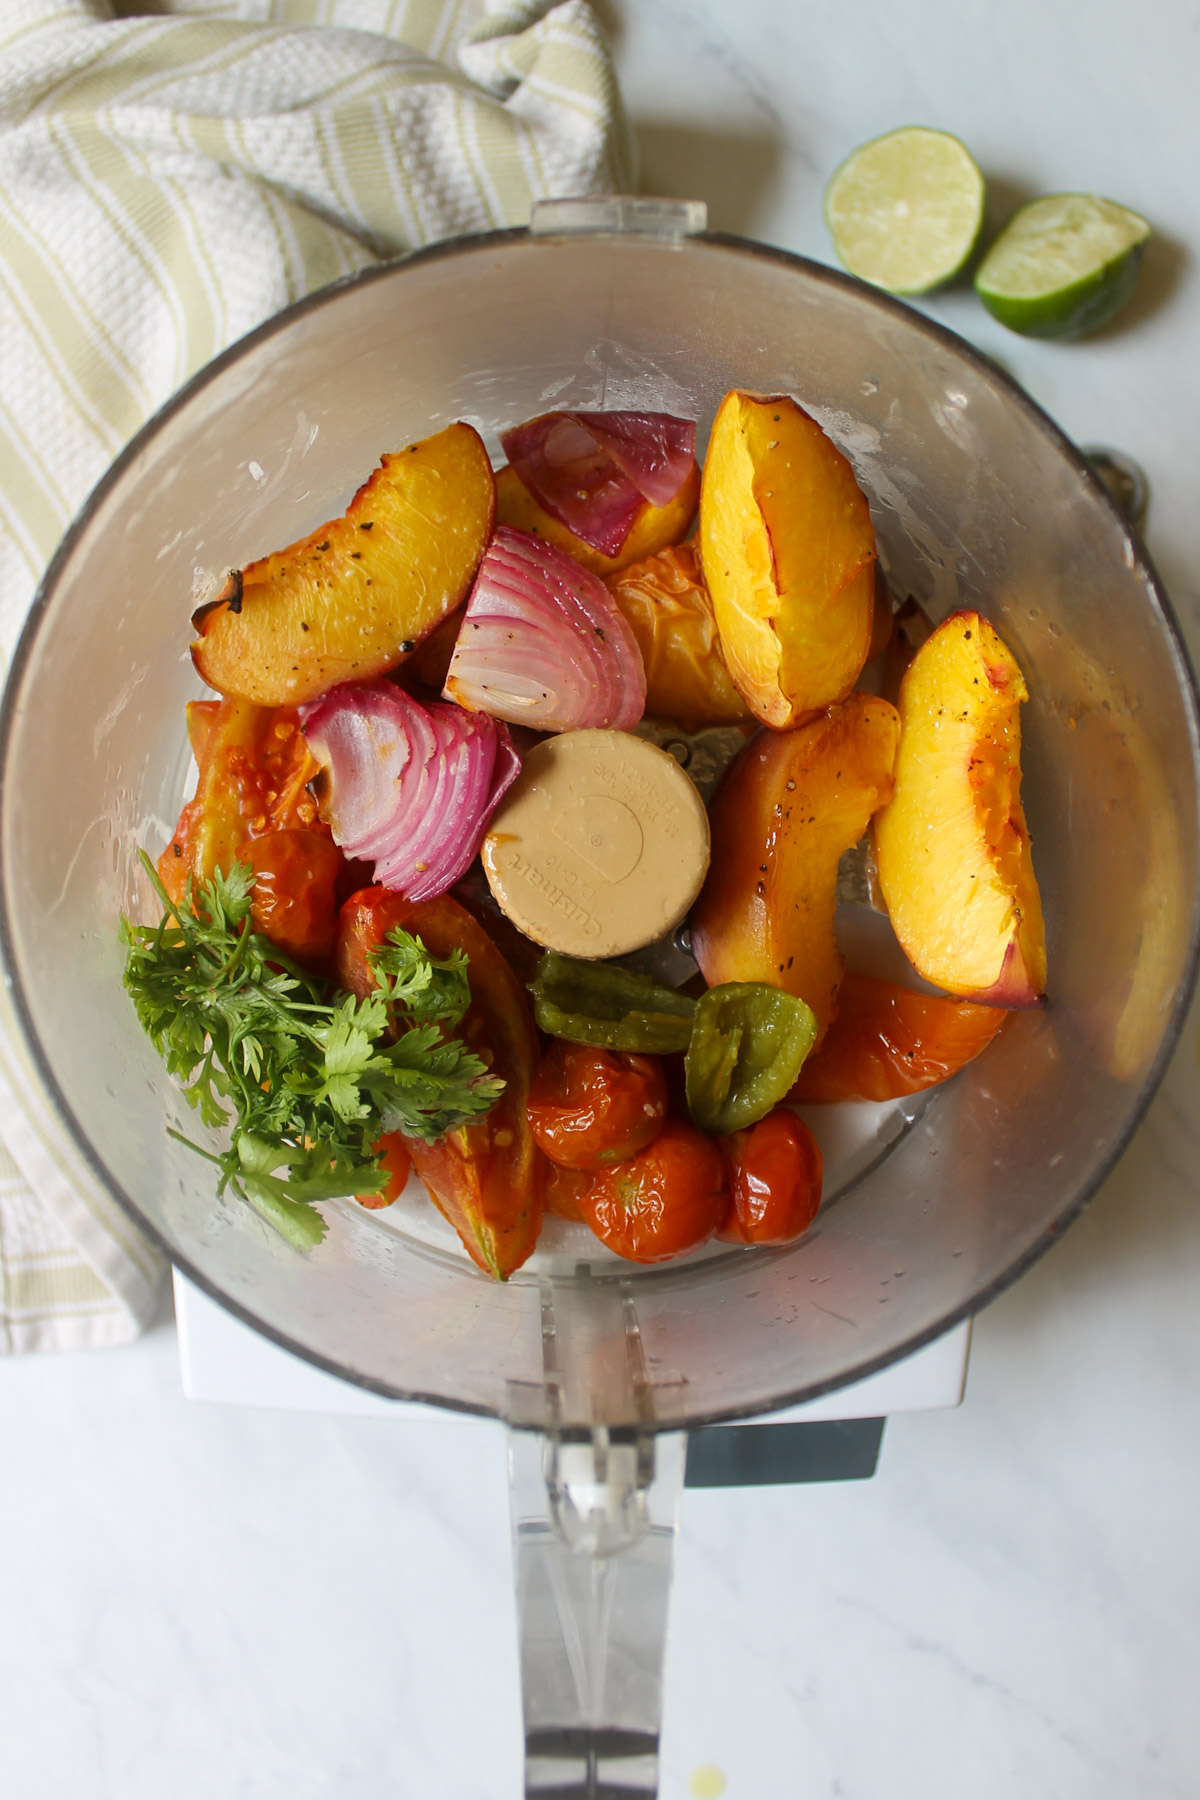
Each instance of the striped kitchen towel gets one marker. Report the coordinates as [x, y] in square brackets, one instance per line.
[171, 173]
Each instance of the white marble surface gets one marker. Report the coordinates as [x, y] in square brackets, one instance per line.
[200, 1601]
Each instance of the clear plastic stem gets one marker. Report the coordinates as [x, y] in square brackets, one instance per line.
[594, 1517]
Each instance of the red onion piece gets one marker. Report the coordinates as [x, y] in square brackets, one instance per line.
[543, 644]
[594, 471]
[407, 787]
[656, 450]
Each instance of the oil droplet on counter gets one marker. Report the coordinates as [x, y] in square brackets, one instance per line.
[706, 1783]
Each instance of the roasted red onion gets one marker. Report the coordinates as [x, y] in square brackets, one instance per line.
[656, 450]
[543, 644]
[594, 471]
[407, 787]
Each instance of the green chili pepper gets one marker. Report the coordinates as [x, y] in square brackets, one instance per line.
[596, 1003]
[748, 1042]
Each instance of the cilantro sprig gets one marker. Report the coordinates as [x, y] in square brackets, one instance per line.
[306, 1077]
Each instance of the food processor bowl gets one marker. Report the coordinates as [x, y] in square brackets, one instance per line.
[978, 501]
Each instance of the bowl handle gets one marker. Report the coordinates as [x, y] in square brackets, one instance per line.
[593, 1517]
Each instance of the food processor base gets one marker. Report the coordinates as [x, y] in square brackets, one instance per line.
[594, 1519]
[224, 1361]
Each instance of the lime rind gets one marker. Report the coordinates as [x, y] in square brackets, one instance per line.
[1064, 265]
[906, 210]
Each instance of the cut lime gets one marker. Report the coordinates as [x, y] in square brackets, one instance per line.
[1063, 265]
[905, 211]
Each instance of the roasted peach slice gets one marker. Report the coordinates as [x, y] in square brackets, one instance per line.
[356, 596]
[782, 817]
[789, 558]
[654, 529]
[953, 847]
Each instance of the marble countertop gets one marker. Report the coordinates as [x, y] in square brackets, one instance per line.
[200, 1601]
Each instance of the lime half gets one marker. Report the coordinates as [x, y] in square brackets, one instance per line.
[905, 211]
[1063, 265]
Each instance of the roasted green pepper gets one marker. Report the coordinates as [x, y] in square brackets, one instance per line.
[748, 1042]
[597, 1003]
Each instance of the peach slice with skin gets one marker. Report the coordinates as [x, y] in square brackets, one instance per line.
[952, 847]
[356, 596]
[655, 528]
[789, 558]
[781, 819]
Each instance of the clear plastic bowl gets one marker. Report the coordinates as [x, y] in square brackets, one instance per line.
[978, 501]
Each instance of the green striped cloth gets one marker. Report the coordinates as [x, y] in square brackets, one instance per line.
[171, 173]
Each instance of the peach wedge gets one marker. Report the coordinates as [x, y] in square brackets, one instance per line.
[781, 819]
[355, 597]
[953, 847]
[789, 558]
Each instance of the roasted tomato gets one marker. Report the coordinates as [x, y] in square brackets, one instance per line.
[663, 1201]
[774, 1180]
[591, 1107]
[487, 1176]
[564, 1190]
[668, 609]
[887, 1041]
[254, 766]
[294, 900]
[392, 1150]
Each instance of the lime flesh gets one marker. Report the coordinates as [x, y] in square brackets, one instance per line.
[1063, 265]
[905, 211]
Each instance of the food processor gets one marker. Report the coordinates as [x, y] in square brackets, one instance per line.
[600, 1368]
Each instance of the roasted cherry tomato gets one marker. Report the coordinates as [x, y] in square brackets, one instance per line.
[294, 899]
[564, 1190]
[392, 1151]
[774, 1180]
[887, 1041]
[588, 1108]
[486, 1176]
[663, 1201]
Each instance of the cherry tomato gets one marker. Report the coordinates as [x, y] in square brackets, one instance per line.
[487, 1176]
[887, 1041]
[563, 1191]
[294, 899]
[663, 1201]
[392, 1151]
[774, 1180]
[590, 1107]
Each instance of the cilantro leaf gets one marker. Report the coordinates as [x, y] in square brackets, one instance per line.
[307, 1078]
[427, 987]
